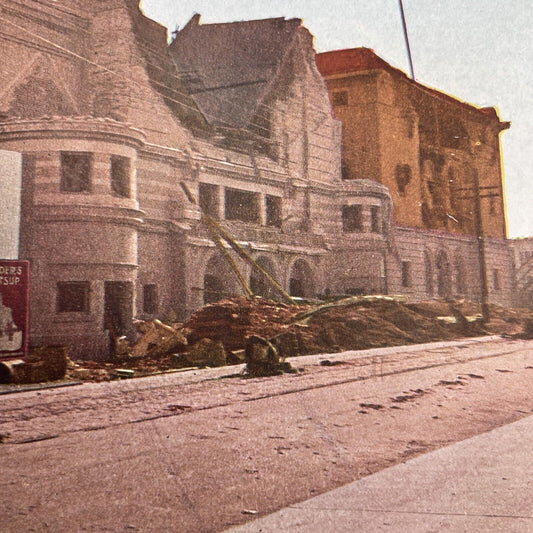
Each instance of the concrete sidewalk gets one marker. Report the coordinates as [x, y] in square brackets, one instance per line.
[483, 484]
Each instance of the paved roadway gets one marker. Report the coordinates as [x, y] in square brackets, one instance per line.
[482, 484]
[196, 451]
[44, 414]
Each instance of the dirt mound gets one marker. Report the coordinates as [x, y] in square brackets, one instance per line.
[354, 323]
[371, 324]
[231, 321]
[350, 324]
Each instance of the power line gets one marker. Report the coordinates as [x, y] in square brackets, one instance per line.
[233, 102]
[258, 137]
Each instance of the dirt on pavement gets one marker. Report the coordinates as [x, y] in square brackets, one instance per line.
[202, 456]
[355, 323]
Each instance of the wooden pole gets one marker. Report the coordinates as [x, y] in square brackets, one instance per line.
[216, 231]
[253, 263]
[208, 222]
[404, 24]
[482, 255]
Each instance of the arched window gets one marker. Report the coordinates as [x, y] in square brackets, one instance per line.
[428, 267]
[444, 288]
[219, 280]
[403, 176]
[460, 277]
[301, 281]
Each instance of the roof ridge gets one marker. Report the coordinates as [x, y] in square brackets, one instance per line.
[379, 63]
[268, 19]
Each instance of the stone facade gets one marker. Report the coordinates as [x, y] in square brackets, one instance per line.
[430, 263]
[523, 270]
[428, 148]
[110, 120]
[108, 129]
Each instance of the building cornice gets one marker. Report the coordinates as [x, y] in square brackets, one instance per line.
[95, 214]
[364, 188]
[87, 128]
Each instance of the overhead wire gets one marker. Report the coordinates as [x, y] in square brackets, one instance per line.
[234, 103]
[144, 44]
[97, 65]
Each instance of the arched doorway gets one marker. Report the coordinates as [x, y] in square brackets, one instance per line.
[301, 282]
[444, 288]
[219, 280]
[258, 284]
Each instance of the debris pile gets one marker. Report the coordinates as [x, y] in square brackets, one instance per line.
[465, 318]
[205, 352]
[359, 323]
[46, 363]
[263, 333]
[231, 321]
[157, 339]
[353, 323]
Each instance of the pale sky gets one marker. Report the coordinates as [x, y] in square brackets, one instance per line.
[480, 51]
[10, 163]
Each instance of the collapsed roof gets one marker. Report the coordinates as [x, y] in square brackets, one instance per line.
[227, 67]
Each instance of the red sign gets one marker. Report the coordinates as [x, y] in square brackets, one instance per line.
[14, 308]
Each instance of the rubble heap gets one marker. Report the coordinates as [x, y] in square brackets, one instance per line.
[358, 324]
[222, 333]
[231, 321]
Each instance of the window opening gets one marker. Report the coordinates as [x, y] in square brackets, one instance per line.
[406, 273]
[75, 171]
[208, 199]
[403, 177]
[150, 298]
[273, 210]
[118, 309]
[352, 218]
[496, 280]
[375, 219]
[492, 206]
[340, 98]
[72, 297]
[242, 205]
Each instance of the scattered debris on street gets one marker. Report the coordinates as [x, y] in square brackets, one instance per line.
[48, 363]
[263, 333]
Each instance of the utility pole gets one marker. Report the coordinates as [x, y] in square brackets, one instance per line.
[482, 255]
[404, 24]
[475, 189]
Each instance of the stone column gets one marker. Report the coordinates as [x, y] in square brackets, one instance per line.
[101, 174]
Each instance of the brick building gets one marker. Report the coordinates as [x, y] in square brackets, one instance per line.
[110, 119]
[432, 152]
[425, 146]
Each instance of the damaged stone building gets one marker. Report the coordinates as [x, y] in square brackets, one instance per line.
[440, 159]
[110, 120]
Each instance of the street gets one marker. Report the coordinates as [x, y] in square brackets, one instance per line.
[205, 449]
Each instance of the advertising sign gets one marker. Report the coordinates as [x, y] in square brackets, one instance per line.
[14, 308]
